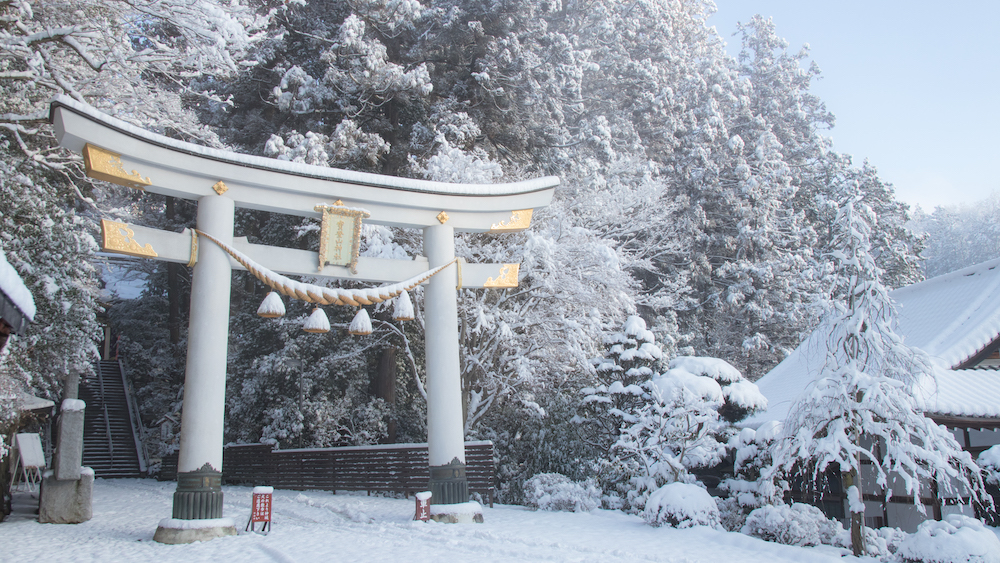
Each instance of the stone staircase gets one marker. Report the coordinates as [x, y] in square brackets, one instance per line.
[111, 444]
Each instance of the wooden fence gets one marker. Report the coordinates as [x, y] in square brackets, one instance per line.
[390, 468]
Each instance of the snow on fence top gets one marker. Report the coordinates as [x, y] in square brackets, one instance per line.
[953, 318]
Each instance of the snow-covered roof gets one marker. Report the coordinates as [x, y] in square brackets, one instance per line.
[964, 393]
[951, 317]
[17, 306]
[27, 402]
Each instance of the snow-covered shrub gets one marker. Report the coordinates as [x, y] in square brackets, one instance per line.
[958, 539]
[751, 453]
[553, 491]
[678, 422]
[681, 505]
[892, 537]
[731, 514]
[798, 524]
[880, 543]
[989, 462]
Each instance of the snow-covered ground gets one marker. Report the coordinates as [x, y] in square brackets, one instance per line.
[320, 526]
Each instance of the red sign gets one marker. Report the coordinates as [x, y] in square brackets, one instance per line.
[423, 506]
[261, 507]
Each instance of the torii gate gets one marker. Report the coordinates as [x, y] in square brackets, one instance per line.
[220, 181]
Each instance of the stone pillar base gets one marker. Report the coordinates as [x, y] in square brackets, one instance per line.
[197, 510]
[174, 531]
[449, 484]
[464, 513]
[67, 502]
[198, 495]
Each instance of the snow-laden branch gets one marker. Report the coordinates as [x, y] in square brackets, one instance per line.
[409, 355]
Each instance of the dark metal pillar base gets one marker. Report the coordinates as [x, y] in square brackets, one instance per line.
[449, 484]
[199, 494]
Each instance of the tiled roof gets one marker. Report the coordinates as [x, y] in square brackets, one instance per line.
[972, 393]
[954, 316]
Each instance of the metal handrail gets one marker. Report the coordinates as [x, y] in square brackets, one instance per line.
[134, 419]
[104, 408]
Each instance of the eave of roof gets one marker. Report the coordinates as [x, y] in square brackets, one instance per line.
[13, 316]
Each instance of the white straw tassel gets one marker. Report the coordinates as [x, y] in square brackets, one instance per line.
[272, 306]
[403, 307]
[317, 322]
[362, 324]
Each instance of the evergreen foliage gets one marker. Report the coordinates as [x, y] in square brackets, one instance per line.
[698, 193]
[959, 236]
[861, 409]
[135, 60]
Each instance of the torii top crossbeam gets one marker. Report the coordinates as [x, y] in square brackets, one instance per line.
[125, 154]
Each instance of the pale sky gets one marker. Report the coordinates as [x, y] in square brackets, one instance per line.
[915, 86]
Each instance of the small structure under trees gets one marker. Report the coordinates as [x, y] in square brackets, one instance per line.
[17, 306]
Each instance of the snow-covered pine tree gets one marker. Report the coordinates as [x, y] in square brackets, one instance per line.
[755, 144]
[631, 357]
[860, 409]
[680, 424]
[752, 178]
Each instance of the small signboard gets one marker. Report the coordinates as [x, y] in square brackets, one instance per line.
[423, 506]
[29, 461]
[340, 235]
[261, 508]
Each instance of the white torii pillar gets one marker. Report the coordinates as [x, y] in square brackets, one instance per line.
[199, 463]
[445, 426]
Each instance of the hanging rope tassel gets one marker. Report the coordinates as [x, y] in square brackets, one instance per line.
[272, 307]
[403, 308]
[362, 324]
[317, 322]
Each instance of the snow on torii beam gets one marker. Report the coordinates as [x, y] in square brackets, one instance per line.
[220, 181]
[175, 168]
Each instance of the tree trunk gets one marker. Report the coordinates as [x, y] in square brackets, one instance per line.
[858, 546]
[937, 500]
[385, 386]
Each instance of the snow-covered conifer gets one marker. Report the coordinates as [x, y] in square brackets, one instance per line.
[860, 409]
[678, 425]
